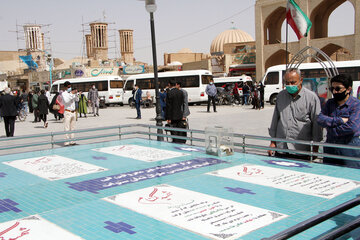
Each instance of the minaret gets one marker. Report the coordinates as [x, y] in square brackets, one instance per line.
[99, 40]
[127, 46]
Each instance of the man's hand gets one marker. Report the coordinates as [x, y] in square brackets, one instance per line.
[272, 145]
[168, 121]
[345, 120]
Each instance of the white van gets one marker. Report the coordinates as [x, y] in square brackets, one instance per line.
[240, 80]
[193, 81]
[111, 87]
[314, 78]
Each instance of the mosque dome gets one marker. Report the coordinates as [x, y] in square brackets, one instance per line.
[229, 36]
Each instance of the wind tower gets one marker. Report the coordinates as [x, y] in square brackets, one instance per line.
[98, 41]
[127, 46]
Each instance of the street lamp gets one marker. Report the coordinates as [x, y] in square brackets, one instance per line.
[150, 6]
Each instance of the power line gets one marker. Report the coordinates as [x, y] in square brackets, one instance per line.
[200, 30]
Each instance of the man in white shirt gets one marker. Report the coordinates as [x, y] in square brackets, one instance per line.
[69, 97]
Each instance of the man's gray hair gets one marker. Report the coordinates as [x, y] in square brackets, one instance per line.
[289, 70]
[7, 90]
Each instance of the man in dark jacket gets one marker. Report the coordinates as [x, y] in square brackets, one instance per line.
[8, 111]
[174, 110]
[137, 99]
[43, 106]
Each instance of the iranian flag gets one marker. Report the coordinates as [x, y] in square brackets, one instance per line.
[297, 19]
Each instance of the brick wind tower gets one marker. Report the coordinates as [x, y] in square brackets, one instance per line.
[127, 46]
[97, 41]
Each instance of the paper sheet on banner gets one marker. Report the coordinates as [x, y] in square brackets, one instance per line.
[34, 228]
[147, 154]
[202, 214]
[54, 167]
[300, 182]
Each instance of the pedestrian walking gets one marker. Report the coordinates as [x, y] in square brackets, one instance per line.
[246, 94]
[211, 91]
[261, 92]
[24, 100]
[30, 96]
[93, 98]
[43, 106]
[8, 110]
[34, 103]
[69, 97]
[82, 104]
[236, 94]
[137, 98]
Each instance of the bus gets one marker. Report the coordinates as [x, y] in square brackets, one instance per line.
[225, 82]
[111, 87]
[193, 81]
[314, 78]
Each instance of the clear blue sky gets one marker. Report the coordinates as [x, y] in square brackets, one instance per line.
[179, 24]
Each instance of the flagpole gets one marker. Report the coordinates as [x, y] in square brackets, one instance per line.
[286, 44]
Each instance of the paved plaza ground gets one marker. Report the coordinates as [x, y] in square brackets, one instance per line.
[243, 119]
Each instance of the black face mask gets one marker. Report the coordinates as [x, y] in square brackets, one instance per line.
[340, 96]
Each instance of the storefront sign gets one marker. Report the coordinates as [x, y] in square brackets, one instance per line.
[79, 73]
[101, 71]
[134, 69]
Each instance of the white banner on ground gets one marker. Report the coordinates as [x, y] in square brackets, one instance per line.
[300, 182]
[203, 214]
[147, 154]
[34, 228]
[54, 167]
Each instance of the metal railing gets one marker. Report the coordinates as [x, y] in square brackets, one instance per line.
[242, 142]
[300, 227]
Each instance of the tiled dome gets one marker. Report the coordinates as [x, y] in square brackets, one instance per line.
[229, 36]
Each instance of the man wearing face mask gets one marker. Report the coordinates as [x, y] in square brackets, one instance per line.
[294, 117]
[69, 97]
[211, 92]
[341, 118]
[93, 98]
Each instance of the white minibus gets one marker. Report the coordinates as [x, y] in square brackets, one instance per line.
[224, 82]
[111, 87]
[314, 78]
[193, 81]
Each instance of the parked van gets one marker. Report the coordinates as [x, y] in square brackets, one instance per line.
[240, 80]
[314, 78]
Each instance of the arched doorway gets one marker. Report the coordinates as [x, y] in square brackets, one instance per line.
[320, 18]
[277, 58]
[272, 26]
[336, 53]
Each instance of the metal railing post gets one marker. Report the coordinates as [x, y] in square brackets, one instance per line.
[311, 151]
[119, 132]
[149, 133]
[243, 143]
[191, 138]
[52, 139]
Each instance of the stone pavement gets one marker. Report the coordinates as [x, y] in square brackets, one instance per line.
[242, 119]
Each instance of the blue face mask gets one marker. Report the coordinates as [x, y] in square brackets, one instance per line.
[69, 89]
[292, 88]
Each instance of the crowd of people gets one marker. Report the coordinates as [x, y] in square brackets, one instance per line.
[67, 104]
[298, 114]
